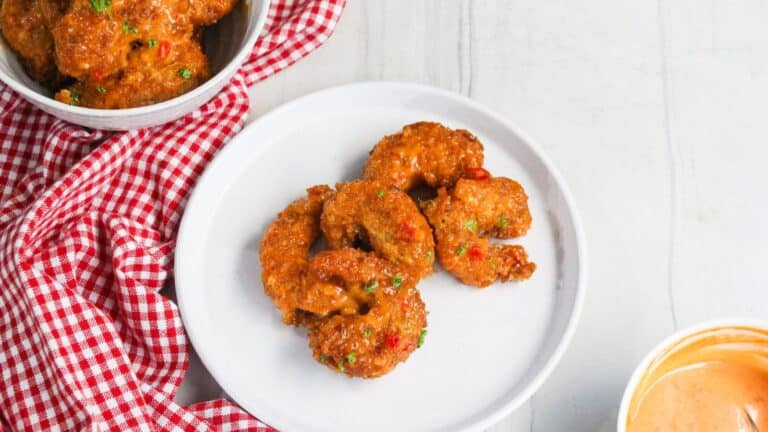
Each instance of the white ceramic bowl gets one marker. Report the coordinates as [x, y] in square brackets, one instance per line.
[227, 45]
[668, 343]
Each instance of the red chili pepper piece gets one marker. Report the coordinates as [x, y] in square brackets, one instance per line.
[475, 253]
[478, 173]
[404, 305]
[97, 75]
[407, 231]
[408, 347]
[164, 49]
[392, 340]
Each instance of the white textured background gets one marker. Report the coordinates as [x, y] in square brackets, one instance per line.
[654, 111]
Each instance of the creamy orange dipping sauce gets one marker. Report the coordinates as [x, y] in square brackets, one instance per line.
[716, 380]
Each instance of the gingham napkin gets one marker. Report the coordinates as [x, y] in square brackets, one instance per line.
[88, 221]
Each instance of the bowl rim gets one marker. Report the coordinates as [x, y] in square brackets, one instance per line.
[669, 341]
[182, 99]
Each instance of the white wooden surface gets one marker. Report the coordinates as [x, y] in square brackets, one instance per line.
[655, 112]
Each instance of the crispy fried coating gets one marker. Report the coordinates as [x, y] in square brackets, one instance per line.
[111, 56]
[52, 10]
[145, 79]
[500, 205]
[332, 283]
[362, 310]
[466, 215]
[204, 13]
[88, 41]
[25, 27]
[119, 53]
[383, 217]
[423, 153]
[381, 319]
[285, 248]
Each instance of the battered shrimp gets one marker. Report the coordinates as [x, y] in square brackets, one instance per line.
[285, 247]
[382, 321]
[385, 218]
[91, 44]
[86, 40]
[112, 53]
[24, 26]
[473, 209]
[145, 79]
[424, 152]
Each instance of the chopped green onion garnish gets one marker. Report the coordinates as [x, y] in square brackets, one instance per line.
[74, 97]
[461, 249]
[367, 333]
[100, 5]
[322, 358]
[397, 281]
[371, 286]
[101, 89]
[152, 43]
[380, 193]
[185, 73]
[127, 29]
[421, 337]
[503, 222]
[429, 254]
[341, 367]
[351, 358]
[471, 225]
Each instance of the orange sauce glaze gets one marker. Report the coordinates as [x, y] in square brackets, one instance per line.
[112, 53]
[716, 380]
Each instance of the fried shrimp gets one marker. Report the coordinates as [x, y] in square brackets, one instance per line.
[144, 78]
[383, 217]
[285, 248]
[463, 218]
[380, 321]
[424, 153]
[358, 299]
[26, 28]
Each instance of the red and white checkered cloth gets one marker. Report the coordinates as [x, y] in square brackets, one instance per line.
[88, 221]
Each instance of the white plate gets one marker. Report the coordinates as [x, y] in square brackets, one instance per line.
[487, 350]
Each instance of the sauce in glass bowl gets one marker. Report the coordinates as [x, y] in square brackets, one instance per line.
[712, 380]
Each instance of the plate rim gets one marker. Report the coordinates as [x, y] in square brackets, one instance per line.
[550, 364]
